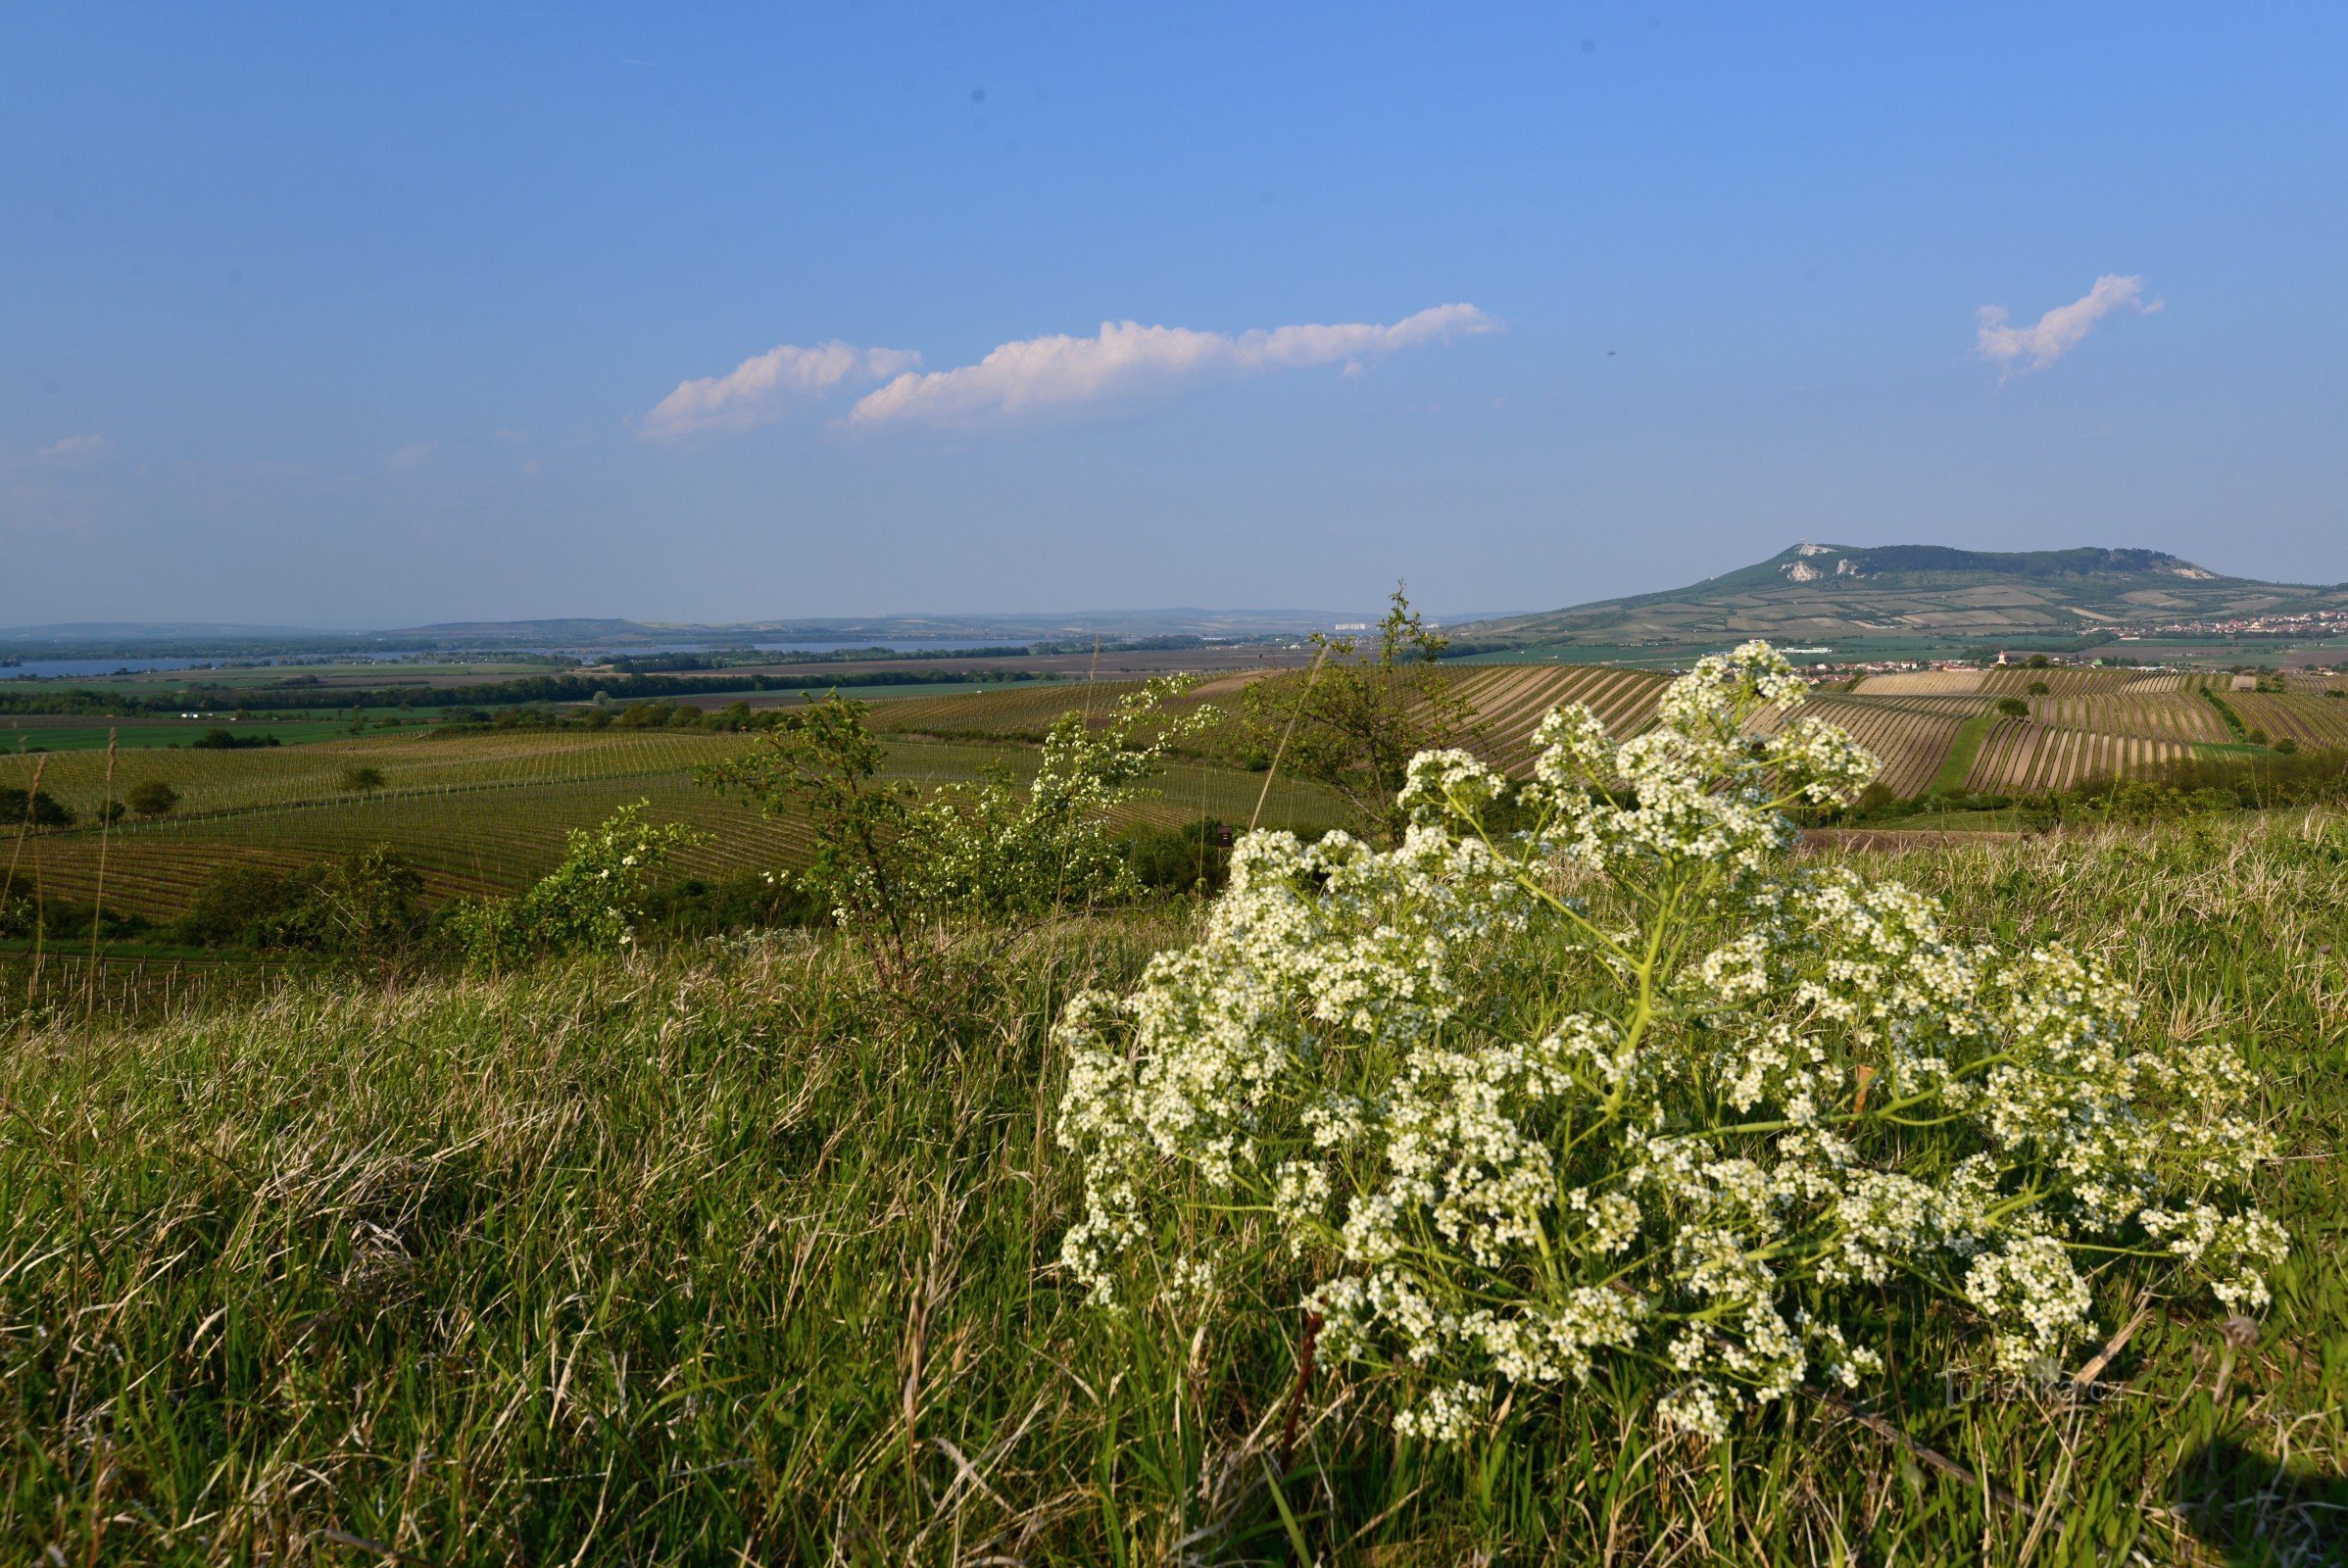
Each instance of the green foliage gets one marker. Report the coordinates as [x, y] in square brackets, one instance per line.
[219, 739]
[823, 764]
[589, 904]
[2037, 688]
[365, 907]
[1358, 718]
[39, 808]
[650, 1260]
[888, 856]
[361, 778]
[154, 798]
[1195, 858]
[2015, 706]
[999, 848]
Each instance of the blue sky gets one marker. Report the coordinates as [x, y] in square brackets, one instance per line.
[372, 314]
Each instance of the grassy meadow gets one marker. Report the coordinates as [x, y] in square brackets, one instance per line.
[742, 1253]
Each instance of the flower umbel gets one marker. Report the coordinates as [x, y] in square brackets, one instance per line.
[1626, 1082]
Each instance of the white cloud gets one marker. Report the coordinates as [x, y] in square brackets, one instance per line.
[71, 450]
[1127, 358]
[413, 456]
[767, 386]
[2061, 329]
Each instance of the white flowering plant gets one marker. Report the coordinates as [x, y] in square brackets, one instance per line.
[1624, 1084]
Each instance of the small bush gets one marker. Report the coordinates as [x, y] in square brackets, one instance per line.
[2015, 706]
[41, 809]
[154, 798]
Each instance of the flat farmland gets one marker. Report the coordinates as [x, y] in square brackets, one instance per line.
[209, 781]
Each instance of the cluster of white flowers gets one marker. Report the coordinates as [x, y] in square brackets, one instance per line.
[1628, 1082]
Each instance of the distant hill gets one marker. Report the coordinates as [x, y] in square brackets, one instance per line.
[1813, 592]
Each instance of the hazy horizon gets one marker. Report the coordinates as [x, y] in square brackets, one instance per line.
[376, 320]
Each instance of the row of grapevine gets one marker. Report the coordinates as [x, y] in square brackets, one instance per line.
[2015, 680]
[1016, 711]
[2313, 722]
[2159, 716]
[2018, 756]
[1509, 701]
[1910, 736]
[1921, 683]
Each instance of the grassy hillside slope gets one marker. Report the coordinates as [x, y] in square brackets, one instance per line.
[736, 1256]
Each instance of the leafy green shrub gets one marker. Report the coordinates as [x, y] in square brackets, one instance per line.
[1193, 858]
[888, 856]
[39, 808]
[218, 738]
[1631, 1090]
[364, 906]
[747, 900]
[1000, 847]
[361, 778]
[591, 903]
[154, 798]
[2015, 706]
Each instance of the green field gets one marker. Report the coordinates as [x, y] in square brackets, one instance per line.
[482, 814]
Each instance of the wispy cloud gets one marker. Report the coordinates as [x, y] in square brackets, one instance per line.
[767, 386]
[1127, 358]
[2059, 330]
[413, 456]
[71, 450]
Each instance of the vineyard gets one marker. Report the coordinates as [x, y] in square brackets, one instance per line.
[2181, 717]
[488, 813]
[1020, 712]
[1910, 736]
[209, 781]
[490, 817]
[1511, 700]
[2315, 723]
[2018, 756]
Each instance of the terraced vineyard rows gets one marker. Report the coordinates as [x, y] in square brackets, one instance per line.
[2018, 756]
[2015, 680]
[2182, 717]
[2315, 723]
[1911, 736]
[1921, 683]
[1511, 700]
[2006, 680]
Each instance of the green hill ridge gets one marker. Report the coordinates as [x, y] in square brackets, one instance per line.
[1825, 591]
